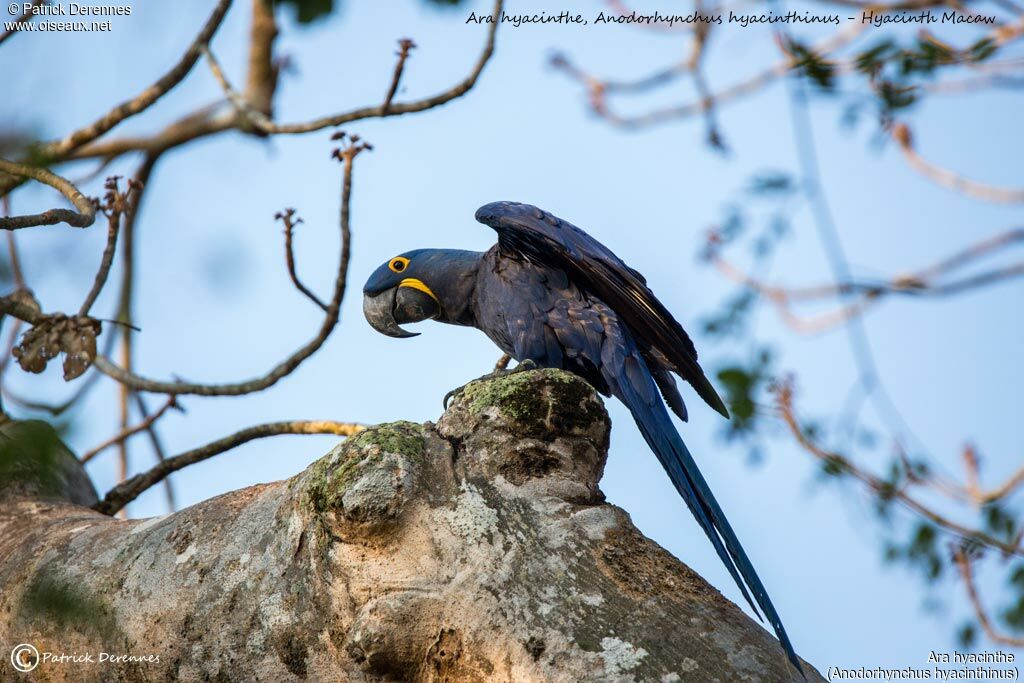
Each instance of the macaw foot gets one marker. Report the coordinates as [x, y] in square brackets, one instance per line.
[520, 367]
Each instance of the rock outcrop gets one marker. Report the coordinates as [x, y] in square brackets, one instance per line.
[479, 548]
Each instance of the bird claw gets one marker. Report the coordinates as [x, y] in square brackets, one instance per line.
[522, 366]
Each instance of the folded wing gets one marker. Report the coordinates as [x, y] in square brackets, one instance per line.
[528, 232]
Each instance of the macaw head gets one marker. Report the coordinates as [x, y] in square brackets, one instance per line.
[419, 285]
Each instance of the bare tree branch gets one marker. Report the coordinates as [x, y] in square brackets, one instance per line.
[195, 126]
[404, 46]
[83, 218]
[954, 181]
[116, 206]
[63, 149]
[124, 309]
[125, 434]
[920, 283]
[253, 117]
[204, 123]
[142, 101]
[784, 398]
[290, 221]
[285, 367]
[261, 78]
[19, 285]
[597, 88]
[387, 109]
[158, 450]
[25, 16]
[972, 491]
[15, 306]
[963, 563]
[129, 490]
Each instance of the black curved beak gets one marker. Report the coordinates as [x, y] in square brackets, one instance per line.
[398, 305]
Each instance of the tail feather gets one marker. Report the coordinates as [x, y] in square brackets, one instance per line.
[661, 435]
[677, 473]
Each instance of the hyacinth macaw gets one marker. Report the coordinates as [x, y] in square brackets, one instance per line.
[550, 294]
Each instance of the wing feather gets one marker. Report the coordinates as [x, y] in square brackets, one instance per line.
[528, 232]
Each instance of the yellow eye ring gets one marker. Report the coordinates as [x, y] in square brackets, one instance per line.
[398, 264]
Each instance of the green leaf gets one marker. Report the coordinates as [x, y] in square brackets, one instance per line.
[872, 60]
[999, 522]
[819, 70]
[894, 96]
[833, 466]
[982, 50]
[966, 636]
[771, 182]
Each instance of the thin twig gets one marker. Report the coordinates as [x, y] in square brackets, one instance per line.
[1011, 484]
[202, 124]
[18, 276]
[250, 114]
[963, 563]
[861, 351]
[972, 489]
[142, 101]
[598, 88]
[288, 365]
[954, 181]
[404, 46]
[263, 124]
[129, 490]
[784, 394]
[60, 150]
[158, 450]
[290, 220]
[125, 434]
[919, 283]
[123, 396]
[25, 16]
[117, 205]
[124, 311]
[83, 218]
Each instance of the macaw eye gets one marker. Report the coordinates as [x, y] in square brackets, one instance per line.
[398, 264]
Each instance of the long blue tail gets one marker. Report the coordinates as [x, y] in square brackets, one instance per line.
[661, 435]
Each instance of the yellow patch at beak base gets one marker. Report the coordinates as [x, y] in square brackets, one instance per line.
[413, 283]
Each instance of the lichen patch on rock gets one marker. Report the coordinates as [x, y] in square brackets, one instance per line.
[476, 549]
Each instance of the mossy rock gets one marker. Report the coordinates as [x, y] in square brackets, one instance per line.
[331, 476]
[541, 403]
[393, 437]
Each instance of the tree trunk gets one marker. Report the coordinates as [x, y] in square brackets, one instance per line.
[476, 549]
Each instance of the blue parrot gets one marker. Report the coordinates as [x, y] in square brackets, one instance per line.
[550, 294]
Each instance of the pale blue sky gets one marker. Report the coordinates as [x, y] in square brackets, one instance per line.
[215, 303]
